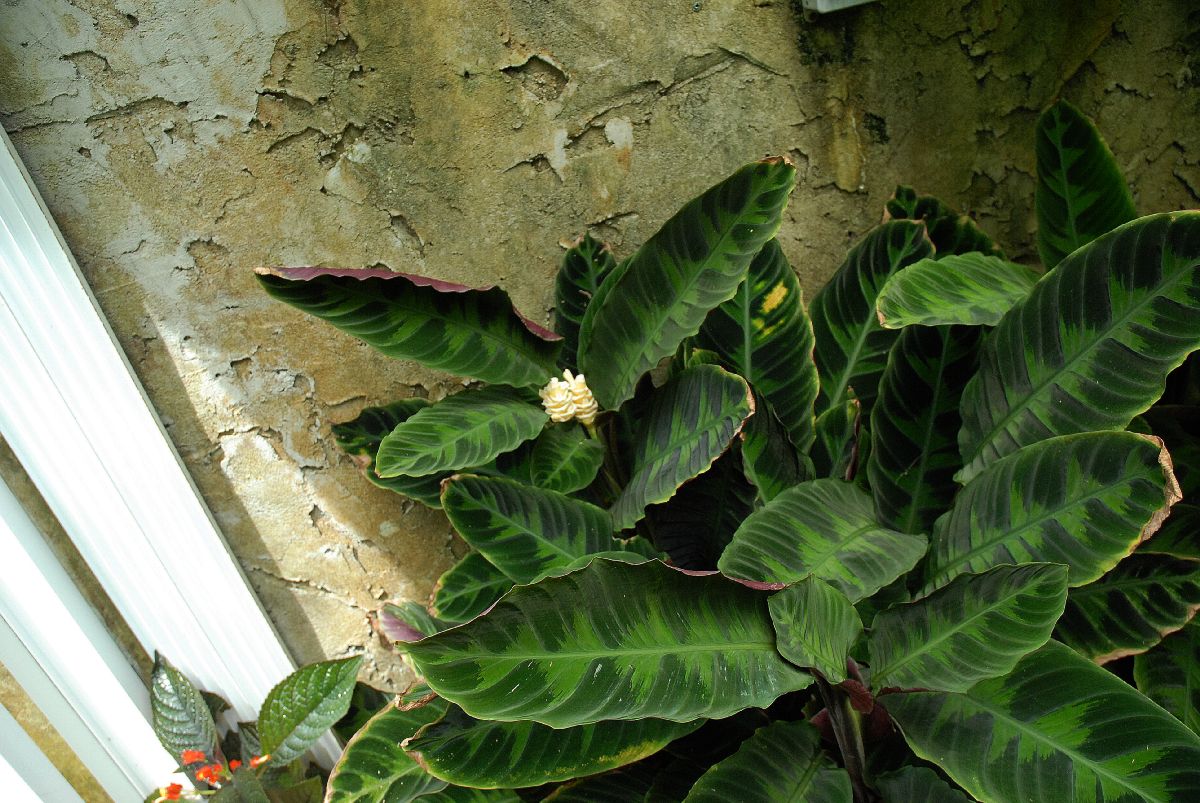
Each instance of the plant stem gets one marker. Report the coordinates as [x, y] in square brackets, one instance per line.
[847, 729]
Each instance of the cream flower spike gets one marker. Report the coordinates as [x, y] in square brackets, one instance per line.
[558, 400]
[585, 403]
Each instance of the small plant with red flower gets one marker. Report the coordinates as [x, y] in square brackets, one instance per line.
[259, 760]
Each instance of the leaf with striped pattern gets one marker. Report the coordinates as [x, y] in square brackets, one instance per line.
[917, 785]
[781, 761]
[304, 705]
[915, 423]
[1057, 728]
[612, 641]
[525, 532]
[374, 769]
[1091, 346]
[585, 266]
[661, 296]
[950, 231]
[1169, 674]
[691, 421]
[506, 755]
[839, 436]
[1179, 535]
[764, 335]
[468, 589]
[972, 289]
[975, 628]
[1132, 608]
[824, 529]
[815, 627]
[362, 436]
[851, 346]
[466, 331]
[1081, 193]
[1084, 500]
[565, 459]
[463, 430]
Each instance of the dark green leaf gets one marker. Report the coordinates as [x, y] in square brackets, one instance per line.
[824, 529]
[1081, 193]
[949, 231]
[362, 436]
[1180, 534]
[463, 430]
[465, 331]
[782, 761]
[649, 305]
[1084, 500]
[764, 334]
[612, 641]
[468, 589]
[585, 266]
[972, 289]
[525, 532]
[975, 628]
[1092, 345]
[915, 424]
[1179, 427]
[1057, 728]
[1169, 674]
[1130, 609]
[365, 702]
[469, 752]
[305, 705]
[690, 422]
[629, 783]
[815, 627]
[249, 787]
[374, 768]
[768, 456]
[917, 785]
[839, 433]
[565, 459]
[851, 346]
[179, 714]
[699, 521]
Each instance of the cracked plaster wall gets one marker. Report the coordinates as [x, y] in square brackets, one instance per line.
[181, 144]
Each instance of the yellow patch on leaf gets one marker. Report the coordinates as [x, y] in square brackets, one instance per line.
[774, 299]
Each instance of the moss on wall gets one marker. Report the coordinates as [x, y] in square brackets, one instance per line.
[181, 144]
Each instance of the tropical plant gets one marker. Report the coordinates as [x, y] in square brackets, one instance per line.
[250, 762]
[878, 548]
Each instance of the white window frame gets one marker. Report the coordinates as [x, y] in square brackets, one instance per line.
[79, 422]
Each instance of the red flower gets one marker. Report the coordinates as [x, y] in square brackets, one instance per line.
[171, 792]
[258, 761]
[210, 773]
[233, 765]
[192, 757]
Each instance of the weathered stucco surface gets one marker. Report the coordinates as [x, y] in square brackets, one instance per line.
[181, 144]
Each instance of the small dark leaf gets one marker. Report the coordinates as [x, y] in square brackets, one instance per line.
[585, 266]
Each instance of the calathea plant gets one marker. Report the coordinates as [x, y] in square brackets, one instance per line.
[872, 549]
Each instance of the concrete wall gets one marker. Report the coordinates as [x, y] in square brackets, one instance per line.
[181, 144]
